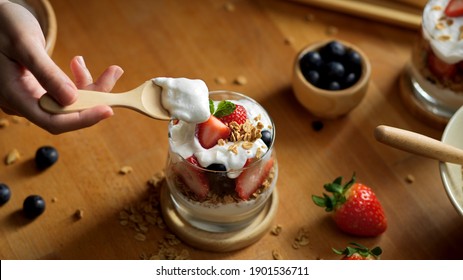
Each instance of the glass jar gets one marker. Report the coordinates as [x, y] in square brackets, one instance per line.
[227, 198]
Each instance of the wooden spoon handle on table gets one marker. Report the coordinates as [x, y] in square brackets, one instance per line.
[145, 99]
[418, 144]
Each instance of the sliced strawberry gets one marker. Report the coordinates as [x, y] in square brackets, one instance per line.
[441, 69]
[252, 178]
[193, 177]
[211, 131]
[454, 8]
[239, 115]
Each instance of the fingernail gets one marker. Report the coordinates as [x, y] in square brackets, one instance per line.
[81, 61]
[118, 73]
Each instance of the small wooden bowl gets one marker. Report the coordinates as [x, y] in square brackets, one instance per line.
[329, 104]
[45, 15]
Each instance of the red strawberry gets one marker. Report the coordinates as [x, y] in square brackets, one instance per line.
[359, 252]
[356, 209]
[439, 68]
[239, 115]
[210, 131]
[193, 177]
[252, 178]
[454, 8]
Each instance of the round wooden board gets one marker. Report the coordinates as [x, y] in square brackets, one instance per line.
[221, 241]
[416, 107]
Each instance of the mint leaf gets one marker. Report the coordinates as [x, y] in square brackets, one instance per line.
[211, 106]
[224, 108]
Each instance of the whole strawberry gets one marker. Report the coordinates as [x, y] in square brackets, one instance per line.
[238, 115]
[356, 209]
[359, 252]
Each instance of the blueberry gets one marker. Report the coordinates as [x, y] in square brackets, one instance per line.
[311, 61]
[333, 85]
[266, 137]
[350, 80]
[33, 206]
[217, 167]
[5, 193]
[313, 77]
[45, 157]
[353, 61]
[317, 125]
[334, 70]
[334, 50]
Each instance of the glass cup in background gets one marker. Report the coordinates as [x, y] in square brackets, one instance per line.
[222, 210]
[433, 80]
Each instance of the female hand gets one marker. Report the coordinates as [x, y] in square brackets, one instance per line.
[27, 72]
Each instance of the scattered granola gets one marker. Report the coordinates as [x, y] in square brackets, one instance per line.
[410, 178]
[276, 255]
[332, 30]
[125, 170]
[220, 80]
[302, 239]
[229, 6]
[12, 157]
[167, 251]
[4, 122]
[79, 214]
[241, 80]
[277, 230]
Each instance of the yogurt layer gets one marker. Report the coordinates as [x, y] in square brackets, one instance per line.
[443, 33]
[185, 99]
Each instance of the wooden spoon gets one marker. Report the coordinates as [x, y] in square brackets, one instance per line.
[145, 99]
[418, 144]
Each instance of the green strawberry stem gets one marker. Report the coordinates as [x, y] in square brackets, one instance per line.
[338, 192]
[359, 249]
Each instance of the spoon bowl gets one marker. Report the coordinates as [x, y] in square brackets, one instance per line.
[144, 99]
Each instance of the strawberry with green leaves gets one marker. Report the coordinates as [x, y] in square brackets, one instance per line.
[359, 252]
[356, 209]
[216, 127]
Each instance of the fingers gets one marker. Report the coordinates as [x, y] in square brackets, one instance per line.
[25, 44]
[60, 123]
[83, 78]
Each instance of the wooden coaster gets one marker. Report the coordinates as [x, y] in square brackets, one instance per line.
[218, 241]
[417, 107]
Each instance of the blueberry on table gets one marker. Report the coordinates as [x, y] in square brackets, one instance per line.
[33, 206]
[5, 193]
[45, 157]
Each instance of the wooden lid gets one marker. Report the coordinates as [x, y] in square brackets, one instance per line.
[218, 241]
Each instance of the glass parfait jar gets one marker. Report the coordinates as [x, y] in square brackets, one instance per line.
[223, 188]
[433, 80]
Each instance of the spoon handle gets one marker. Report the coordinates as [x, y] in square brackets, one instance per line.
[418, 144]
[88, 99]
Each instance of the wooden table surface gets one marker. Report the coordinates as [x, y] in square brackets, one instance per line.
[206, 40]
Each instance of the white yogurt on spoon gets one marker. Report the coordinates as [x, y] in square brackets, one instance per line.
[185, 99]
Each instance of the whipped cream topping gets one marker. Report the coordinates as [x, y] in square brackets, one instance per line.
[185, 99]
[184, 142]
[445, 34]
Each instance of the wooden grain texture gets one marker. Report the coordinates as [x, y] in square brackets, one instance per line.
[205, 40]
